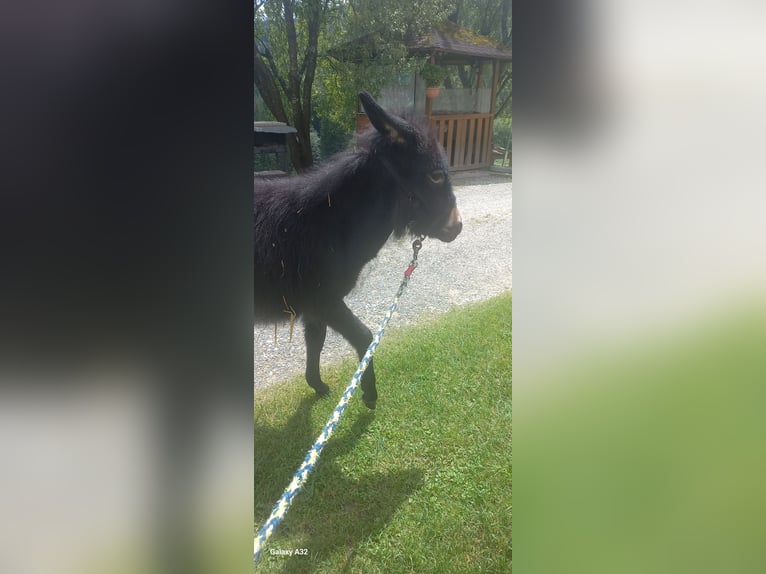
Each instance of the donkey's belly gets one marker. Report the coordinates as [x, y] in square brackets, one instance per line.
[311, 290]
[271, 305]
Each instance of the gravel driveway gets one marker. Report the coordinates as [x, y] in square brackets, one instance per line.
[474, 267]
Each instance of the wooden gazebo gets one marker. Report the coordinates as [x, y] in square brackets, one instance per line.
[462, 117]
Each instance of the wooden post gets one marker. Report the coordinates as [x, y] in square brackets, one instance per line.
[478, 86]
[429, 102]
[495, 78]
[479, 68]
[478, 77]
[492, 105]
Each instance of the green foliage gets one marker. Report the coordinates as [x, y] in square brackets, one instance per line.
[316, 153]
[505, 91]
[380, 29]
[261, 111]
[502, 133]
[433, 75]
[334, 137]
[266, 162]
[394, 19]
[421, 485]
[491, 18]
[339, 83]
[289, 35]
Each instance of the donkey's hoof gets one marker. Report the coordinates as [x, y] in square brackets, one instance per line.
[369, 404]
[322, 391]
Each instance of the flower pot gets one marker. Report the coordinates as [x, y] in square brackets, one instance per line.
[432, 92]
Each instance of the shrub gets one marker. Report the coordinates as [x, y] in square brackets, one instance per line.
[433, 75]
[333, 138]
[502, 133]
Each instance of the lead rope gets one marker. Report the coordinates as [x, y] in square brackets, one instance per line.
[302, 474]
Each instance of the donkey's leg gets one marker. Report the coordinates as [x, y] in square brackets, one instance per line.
[342, 320]
[315, 332]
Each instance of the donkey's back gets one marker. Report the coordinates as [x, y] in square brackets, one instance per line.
[279, 251]
[299, 244]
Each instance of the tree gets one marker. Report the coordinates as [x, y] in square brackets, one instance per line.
[391, 22]
[287, 34]
[378, 31]
[296, 77]
[492, 18]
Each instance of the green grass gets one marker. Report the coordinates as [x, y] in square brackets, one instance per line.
[423, 484]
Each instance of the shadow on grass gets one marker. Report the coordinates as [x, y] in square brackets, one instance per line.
[333, 511]
[277, 455]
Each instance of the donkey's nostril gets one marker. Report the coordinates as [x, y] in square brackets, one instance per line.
[450, 231]
[451, 228]
[455, 221]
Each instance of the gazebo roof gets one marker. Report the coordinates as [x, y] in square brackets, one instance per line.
[447, 39]
[450, 38]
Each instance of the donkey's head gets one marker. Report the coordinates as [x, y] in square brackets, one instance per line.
[414, 158]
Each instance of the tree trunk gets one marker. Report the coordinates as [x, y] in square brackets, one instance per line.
[287, 92]
[300, 146]
[267, 87]
[505, 32]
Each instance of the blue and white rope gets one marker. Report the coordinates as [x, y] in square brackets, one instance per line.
[302, 474]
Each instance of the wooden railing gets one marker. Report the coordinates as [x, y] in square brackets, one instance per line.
[467, 139]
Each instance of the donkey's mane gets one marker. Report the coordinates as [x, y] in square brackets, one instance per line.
[347, 163]
[281, 198]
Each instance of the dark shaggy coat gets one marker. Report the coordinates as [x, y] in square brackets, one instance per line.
[313, 233]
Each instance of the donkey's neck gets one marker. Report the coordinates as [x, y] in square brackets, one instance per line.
[368, 207]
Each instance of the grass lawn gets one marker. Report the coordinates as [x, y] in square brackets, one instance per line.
[423, 484]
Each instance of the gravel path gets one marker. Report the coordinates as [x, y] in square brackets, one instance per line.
[474, 267]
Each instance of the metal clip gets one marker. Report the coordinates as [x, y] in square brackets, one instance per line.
[416, 245]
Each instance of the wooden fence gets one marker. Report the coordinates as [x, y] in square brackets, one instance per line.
[467, 139]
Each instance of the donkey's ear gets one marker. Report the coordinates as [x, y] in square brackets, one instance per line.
[395, 129]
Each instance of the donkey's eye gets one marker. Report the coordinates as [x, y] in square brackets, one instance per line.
[436, 176]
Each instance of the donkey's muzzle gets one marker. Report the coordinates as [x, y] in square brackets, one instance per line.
[452, 228]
